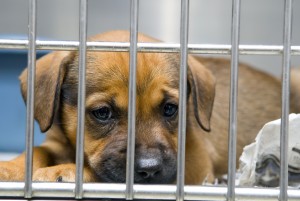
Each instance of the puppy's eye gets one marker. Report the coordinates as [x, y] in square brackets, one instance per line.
[103, 114]
[170, 110]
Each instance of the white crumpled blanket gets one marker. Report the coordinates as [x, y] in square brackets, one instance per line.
[259, 163]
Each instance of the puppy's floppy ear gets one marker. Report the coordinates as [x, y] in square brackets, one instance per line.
[202, 86]
[50, 71]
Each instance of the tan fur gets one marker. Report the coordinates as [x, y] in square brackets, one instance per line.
[295, 88]
[157, 74]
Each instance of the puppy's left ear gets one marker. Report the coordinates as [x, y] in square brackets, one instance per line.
[202, 86]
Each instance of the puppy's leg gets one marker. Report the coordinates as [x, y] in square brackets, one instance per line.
[11, 171]
[62, 173]
[14, 170]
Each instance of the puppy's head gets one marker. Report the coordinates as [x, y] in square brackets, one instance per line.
[107, 76]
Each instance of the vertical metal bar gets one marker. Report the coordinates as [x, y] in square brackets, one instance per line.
[81, 100]
[132, 99]
[184, 30]
[284, 130]
[30, 98]
[235, 37]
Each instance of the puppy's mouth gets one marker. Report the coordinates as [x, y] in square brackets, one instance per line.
[151, 167]
[112, 177]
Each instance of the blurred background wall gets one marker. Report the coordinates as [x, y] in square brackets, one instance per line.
[210, 23]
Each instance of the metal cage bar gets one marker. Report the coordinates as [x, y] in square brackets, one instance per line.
[150, 47]
[164, 192]
[30, 98]
[132, 100]
[235, 39]
[184, 32]
[284, 131]
[81, 100]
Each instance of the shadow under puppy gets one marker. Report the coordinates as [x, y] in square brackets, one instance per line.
[107, 76]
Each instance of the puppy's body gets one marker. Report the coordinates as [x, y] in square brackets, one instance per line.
[156, 121]
[259, 101]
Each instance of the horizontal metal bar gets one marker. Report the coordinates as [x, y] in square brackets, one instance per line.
[150, 47]
[101, 190]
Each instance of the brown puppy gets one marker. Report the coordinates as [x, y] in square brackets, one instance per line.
[156, 119]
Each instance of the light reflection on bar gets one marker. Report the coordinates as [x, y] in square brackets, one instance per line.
[15, 190]
[30, 98]
[184, 32]
[132, 99]
[284, 130]
[235, 39]
[217, 49]
[81, 100]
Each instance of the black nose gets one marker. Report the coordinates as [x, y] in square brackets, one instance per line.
[148, 168]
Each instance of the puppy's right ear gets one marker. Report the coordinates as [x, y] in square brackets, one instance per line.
[50, 71]
[202, 83]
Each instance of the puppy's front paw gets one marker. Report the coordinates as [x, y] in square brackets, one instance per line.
[11, 172]
[61, 173]
[58, 173]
